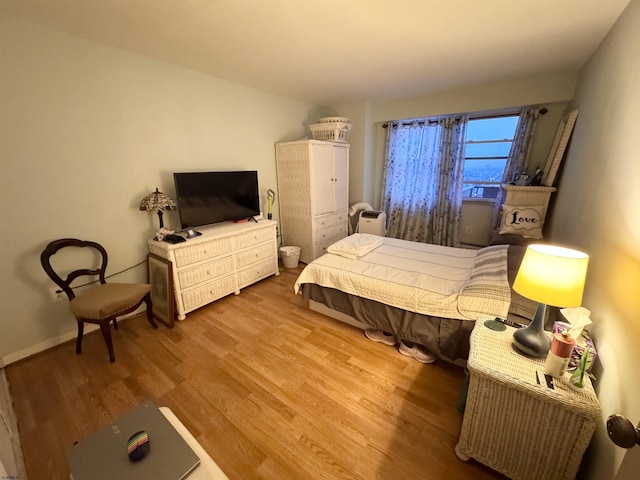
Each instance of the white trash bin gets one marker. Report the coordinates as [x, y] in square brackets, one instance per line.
[290, 256]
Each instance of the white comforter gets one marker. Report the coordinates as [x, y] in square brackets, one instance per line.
[428, 279]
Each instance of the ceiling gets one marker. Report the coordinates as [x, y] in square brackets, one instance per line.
[335, 51]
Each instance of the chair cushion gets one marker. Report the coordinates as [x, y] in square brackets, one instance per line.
[107, 300]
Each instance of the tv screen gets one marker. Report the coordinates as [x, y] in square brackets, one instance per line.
[211, 197]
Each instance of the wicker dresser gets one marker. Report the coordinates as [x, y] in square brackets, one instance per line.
[225, 258]
[313, 188]
[516, 426]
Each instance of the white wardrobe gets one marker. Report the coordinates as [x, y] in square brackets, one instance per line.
[313, 194]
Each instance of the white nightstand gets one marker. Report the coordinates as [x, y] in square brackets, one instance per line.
[515, 425]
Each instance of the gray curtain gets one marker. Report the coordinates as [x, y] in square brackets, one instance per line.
[422, 183]
[447, 211]
[518, 160]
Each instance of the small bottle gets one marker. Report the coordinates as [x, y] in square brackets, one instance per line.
[559, 354]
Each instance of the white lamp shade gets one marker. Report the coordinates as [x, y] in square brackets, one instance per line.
[552, 275]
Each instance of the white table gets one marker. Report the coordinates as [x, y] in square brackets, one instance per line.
[515, 425]
[207, 470]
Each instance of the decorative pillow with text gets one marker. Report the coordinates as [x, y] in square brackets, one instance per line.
[522, 220]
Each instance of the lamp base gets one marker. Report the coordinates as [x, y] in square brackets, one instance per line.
[533, 340]
[532, 346]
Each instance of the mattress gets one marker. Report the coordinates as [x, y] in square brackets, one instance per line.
[421, 278]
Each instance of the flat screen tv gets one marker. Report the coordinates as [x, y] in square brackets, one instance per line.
[211, 197]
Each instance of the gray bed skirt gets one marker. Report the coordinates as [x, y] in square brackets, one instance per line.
[445, 337]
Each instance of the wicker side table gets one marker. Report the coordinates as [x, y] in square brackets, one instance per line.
[515, 425]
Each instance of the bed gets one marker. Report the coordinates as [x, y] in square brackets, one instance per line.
[428, 294]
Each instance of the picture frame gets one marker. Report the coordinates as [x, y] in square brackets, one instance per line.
[160, 277]
[558, 147]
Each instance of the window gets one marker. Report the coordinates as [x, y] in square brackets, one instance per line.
[487, 150]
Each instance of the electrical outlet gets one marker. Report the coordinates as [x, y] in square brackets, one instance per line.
[55, 294]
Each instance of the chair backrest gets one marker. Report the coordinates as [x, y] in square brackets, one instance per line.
[57, 245]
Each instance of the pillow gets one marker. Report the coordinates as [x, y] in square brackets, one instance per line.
[522, 220]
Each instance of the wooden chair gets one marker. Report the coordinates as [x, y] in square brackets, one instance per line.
[100, 304]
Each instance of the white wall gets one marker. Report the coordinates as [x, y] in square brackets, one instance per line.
[597, 210]
[86, 132]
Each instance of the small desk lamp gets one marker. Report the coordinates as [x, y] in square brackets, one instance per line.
[553, 276]
[157, 201]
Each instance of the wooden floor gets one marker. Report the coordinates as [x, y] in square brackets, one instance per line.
[270, 389]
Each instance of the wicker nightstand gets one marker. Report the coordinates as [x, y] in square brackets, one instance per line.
[516, 426]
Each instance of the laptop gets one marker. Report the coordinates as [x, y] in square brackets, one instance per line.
[103, 455]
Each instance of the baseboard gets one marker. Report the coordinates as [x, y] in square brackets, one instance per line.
[44, 345]
[55, 341]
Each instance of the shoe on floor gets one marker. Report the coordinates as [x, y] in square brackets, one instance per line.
[416, 351]
[380, 336]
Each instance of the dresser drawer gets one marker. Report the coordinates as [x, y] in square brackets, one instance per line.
[324, 221]
[203, 251]
[249, 239]
[202, 273]
[261, 252]
[257, 271]
[333, 233]
[209, 292]
[320, 248]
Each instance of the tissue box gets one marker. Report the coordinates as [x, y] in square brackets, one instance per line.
[582, 342]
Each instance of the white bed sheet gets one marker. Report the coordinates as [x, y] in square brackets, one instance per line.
[428, 279]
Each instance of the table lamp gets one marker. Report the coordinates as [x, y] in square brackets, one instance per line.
[157, 201]
[549, 275]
